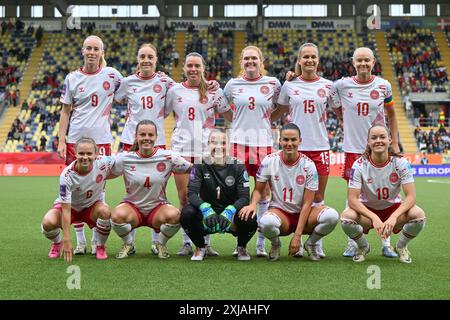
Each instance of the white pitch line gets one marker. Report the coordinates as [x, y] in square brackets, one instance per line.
[438, 181]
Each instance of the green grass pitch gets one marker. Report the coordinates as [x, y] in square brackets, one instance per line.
[27, 273]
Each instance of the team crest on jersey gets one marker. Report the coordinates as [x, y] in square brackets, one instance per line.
[300, 180]
[229, 181]
[161, 167]
[99, 178]
[264, 89]
[393, 178]
[321, 93]
[106, 85]
[374, 94]
[204, 100]
[157, 88]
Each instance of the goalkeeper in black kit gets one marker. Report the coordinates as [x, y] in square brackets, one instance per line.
[218, 189]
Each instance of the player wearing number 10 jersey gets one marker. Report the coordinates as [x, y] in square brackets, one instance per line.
[88, 92]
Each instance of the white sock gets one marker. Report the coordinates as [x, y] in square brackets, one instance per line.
[102, 229]
[94, 234]
[355, 232]
[318, 204]
[328, 220]
[155, 236]
[133, 234]
[270, 227]
[207, 239]
[410, 231]
[263, 205]
[167, 231]
[386, 242]
[123, 230]
[185, 237]
[52, 235]
[79, 231]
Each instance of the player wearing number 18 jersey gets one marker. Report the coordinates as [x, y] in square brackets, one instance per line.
[374, 198]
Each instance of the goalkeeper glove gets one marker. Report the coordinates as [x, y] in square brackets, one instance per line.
[209, 217]
[226, 218]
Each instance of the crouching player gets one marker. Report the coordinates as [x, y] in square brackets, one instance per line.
[145, 170]
[374, 197]
[218, 189]
[79, 201]
[293, 180]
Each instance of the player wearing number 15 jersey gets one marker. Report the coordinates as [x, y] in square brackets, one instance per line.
[292, 178]
[88, 93]
[374, 198]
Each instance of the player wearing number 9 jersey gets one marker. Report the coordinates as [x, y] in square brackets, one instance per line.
[88, 92]
[293, 181]
[253, 96]
[146, 93]
[376, 180]
[360, 101]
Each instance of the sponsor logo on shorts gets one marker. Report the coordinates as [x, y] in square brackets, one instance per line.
[161, 167]
[106, 85]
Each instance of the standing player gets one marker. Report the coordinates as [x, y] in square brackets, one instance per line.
[374, 200]
[146, 170]
[253, 95]
[194, 107]
[80, 201]
[360, 101]
[305, 99]
[218, 189]
[88, 93]
[293, 180]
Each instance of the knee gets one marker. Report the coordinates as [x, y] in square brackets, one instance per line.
[349, 214]
[416, 213]
[329, 216]
[172, 216]
[49, 222]
[119, 215]
[269, 221]
[103, 212]
[251, 223]
[188, 214]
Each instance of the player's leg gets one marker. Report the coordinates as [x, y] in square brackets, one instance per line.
[167, 219]
[273, 224]
[244, 231]
[51, 229]
[321, 222]
[192, 222]
[210, 252]
[155, 241]
[263, 205]
[80, 249]
[411, 224]
[181, 182]
[124, 219]
[354, 225]
[102, 216]
[319, 200]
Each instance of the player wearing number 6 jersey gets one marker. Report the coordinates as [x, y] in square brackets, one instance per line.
[305, 98]
[80, 201]
[293, 181]
[194, 106]
[361, 101]
[374, 200]
[146, 170]
[253, 95]
[146, 93]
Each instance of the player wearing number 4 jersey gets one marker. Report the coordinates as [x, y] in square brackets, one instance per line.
[80, 201]
[253, 95]
[88, 94]
[305, 98]
[293, 181]
[361, 101]
[146, 170]
[376, 180]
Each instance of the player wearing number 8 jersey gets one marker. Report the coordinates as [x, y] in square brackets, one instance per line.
[88, 92]
[146, 170]
[376, 180]
[361, 101]
[293, 181]
[146, 93]
[253, 95]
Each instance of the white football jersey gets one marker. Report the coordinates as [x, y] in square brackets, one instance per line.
[362, 107]
[288, 182]
[146, 101]
[91, 96]
[380, 185]
[193, 119]
[146, 177]
[83, 190]
[253, 102]
[307, 102]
